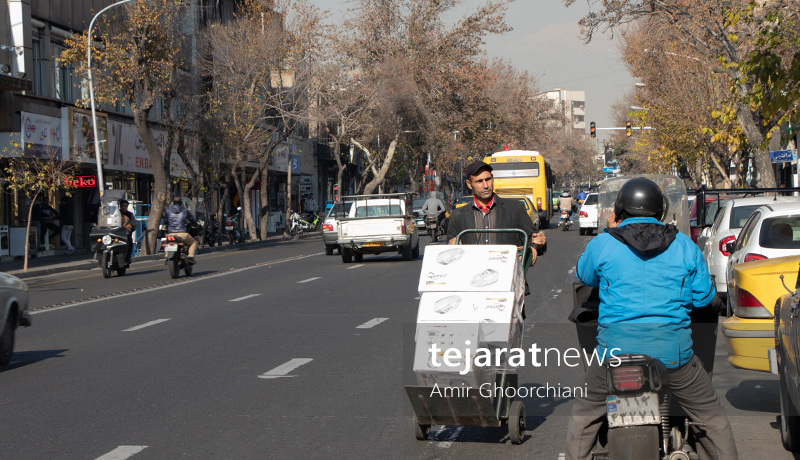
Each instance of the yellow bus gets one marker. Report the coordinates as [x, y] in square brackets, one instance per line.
[524, 172]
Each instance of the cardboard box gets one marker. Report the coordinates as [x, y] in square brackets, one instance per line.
[466, 337]
[471, 268]
[498, 312]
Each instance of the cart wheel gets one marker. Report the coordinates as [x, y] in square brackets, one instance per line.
[421, 431]
[516, 422]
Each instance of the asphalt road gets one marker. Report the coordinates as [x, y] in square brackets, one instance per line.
[260, 355]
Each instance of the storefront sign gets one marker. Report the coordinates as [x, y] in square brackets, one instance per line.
[80, 142]
[41, 136]
[82, 181]
[296, 164]
[783, 155]
[280, 157]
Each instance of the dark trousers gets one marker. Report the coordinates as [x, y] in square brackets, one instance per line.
[129, 249]
[49, 226]
[691, 390]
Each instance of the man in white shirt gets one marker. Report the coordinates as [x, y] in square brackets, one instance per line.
[310, 206]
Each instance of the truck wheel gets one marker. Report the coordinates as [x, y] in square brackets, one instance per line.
[415, 251]
[358, 256]
[328, 250]
[581, 231]
[347, 256]
[7, 343]
[407, 252]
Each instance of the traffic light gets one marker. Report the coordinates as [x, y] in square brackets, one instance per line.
[592, 130]
[628, 129]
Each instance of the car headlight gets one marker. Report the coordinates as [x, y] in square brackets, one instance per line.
[107, 239]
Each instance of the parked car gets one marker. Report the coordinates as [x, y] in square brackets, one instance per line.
[14, 298]
[771, 231]
[330, 231]
[713, 204]
[727, 225]
[532, 213]
[587, 215]
[785, 360]
[464, 200]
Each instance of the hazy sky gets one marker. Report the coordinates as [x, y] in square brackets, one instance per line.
[545, 42]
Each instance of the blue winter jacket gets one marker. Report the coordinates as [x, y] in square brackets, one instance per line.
[177, 218]
[650, 276]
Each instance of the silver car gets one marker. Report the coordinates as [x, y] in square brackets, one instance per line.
[725, 229]
[330, 230]
[14, 298]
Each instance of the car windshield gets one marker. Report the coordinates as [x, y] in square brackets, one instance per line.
[378, 211]
[347, 206]
[464, 199]
[740, 214]
[417, 203]
[591, 199]
[780, 233]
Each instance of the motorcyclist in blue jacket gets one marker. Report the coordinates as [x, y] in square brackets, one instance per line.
[650, 277]
[178, 220]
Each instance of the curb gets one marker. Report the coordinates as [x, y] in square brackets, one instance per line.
[88, 265]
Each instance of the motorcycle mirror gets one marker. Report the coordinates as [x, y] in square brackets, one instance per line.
[239, 208]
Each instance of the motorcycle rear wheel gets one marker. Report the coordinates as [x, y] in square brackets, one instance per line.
[174, 271]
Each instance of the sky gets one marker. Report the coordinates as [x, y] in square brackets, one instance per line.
[545, 41]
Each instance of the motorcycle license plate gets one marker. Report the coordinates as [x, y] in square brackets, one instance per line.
[229, 227]
[171, 247]
[634, 410]
[366, 245]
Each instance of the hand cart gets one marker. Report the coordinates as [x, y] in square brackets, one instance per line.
[471, 408]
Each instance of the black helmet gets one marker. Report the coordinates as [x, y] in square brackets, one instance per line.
[640, 197]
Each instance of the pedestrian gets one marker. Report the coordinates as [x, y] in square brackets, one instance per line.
[129, 222]
[310, 206]
[67, 222]
[47, 216]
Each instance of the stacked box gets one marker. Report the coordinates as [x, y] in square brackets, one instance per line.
[498, 312]
[471, 268]
[465, 337]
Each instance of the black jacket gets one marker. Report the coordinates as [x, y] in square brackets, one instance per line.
[507, 214]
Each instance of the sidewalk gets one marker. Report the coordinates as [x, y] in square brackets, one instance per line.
[83, 259]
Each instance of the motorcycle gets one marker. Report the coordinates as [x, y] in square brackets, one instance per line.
[434, 229]
[211, 230]
[298, 226]
[109, 239]
[177, 256]
[313, 220]
[563, 220]
[232, 228]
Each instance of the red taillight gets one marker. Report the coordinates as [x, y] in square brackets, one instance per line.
[583, 214]
[745, 299]
[327, 227]
[724, 242]
[754, 257]
[403, 229]
[539, 204]
[170, 238]
[628, 378]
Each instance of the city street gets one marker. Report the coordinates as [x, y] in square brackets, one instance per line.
[283, 352]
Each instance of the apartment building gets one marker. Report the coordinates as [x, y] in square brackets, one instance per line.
[570, 104]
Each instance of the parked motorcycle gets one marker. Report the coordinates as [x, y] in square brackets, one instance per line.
[232, 228]
[297, 226]
[313, 220]
[211, 230]
[563, 220]
[109, 239]
[177, 256]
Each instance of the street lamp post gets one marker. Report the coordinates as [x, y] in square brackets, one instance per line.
[91, 92]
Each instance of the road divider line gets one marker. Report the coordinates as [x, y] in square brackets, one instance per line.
[142, 326]
[245, 297]
[122, 452]
[371, 323]
[285, 368]
[179, 282]
[355, 266]
[306, 281]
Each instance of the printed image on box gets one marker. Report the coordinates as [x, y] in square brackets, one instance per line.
[471, 268]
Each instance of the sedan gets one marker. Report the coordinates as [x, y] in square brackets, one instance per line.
[14, 298]
[330, 230]
[727, 225]
[784, 360]
[587, 215]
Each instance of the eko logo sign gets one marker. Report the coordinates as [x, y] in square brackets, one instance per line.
[29, 128]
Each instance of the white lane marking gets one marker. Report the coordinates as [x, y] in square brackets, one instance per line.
[142, 326]
[449, 442]
[285, 368]
[558, 291]
[191, 280]
[355, 266]
[571, 270]
[245, 297]
[371, 323]
[306, 281]
[416, 298]
[122, 452]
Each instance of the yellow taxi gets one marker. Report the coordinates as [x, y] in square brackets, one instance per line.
[750, 332]
[532, 213]
[464, 200]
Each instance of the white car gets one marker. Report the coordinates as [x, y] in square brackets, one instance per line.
[330, 230]
[587, 215]
[772, 231]
[726, 227]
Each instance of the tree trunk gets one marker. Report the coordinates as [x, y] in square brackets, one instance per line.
[28, 233]
[221, 213]
[264, 203]
[288, 197]
[160, 178]
[377, 180]
[765, 174]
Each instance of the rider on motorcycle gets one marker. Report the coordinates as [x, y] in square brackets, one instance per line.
[178, 220]
[650, 278]
[565, 201]
[434, 207]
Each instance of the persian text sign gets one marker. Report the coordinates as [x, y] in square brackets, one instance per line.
[783, 155]
[41, 136]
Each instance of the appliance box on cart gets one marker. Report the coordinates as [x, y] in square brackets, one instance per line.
[471, 268]
[465, 337]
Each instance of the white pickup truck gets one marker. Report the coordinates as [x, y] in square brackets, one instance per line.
[376, 224]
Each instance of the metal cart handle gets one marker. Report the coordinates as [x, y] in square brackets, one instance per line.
[499, 230]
